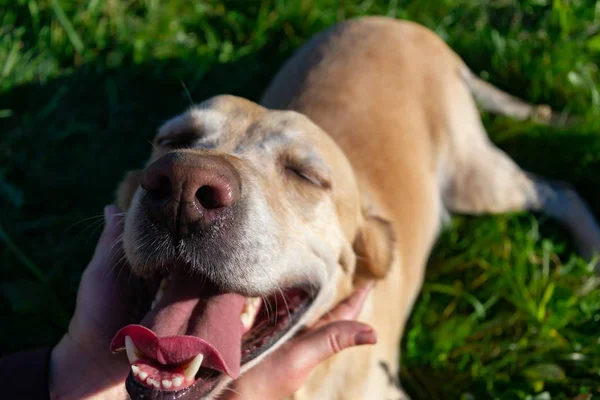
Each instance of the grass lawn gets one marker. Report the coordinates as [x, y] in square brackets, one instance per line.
[508, 311]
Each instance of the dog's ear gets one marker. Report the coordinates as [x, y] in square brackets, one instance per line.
[127, 188]
[374, 247]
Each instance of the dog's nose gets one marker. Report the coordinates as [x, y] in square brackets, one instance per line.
[187, 189]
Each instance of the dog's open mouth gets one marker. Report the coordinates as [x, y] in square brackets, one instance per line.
[196, 334]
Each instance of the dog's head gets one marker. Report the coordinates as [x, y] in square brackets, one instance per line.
[253, 220]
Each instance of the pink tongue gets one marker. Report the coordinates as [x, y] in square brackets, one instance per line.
[189, 319]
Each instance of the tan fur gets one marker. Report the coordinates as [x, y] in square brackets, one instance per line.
[403, 144]
[394, 98]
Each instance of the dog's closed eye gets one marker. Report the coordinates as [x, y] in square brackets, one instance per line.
[305, 176]
[307, 170]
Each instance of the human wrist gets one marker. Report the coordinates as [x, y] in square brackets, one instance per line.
[66, 371]
[77, 373]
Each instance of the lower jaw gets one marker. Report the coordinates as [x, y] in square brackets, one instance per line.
[197, 391]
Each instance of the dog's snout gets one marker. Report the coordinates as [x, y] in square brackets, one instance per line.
[187, 188]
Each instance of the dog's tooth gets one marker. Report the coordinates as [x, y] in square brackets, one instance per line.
[177, 381]
[249, 311]
[159, 293]
[192, 369]
[156, 383]
[246, 320]
[133, 353]
[251, 303]
[166, 383]
[164, 283]
[143, 375]
[157, 297]
[135, 369]
[254, 301]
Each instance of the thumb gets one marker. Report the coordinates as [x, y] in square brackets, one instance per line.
[107, 244]
[315, 347]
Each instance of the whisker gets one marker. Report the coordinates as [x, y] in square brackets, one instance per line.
[267, 307]
[189, 96]
[286, 304]
[84, 220]
[93, 231]
[233, 391]
[118, 241]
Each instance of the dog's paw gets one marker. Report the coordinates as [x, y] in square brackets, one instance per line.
[542, 114]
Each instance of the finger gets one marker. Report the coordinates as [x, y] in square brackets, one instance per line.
[307, 351]
[349, 308]
[106, 249]
[113, 226]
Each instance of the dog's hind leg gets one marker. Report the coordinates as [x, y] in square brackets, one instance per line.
[479, 178]
[493, 183]
[496, 101]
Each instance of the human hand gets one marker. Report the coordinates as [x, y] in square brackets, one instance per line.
[81, 366]
[284, 371]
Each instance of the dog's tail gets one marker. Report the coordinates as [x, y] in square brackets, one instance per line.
[496, 101]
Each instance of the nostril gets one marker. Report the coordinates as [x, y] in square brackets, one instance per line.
[210, 197]
[162, 190]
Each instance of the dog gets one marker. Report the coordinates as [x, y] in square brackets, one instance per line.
[259, 218]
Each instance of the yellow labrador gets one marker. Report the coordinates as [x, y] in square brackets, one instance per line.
[259, 218]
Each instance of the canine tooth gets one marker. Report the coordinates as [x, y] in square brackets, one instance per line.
[192, 369]
[135, 369]
[143, 375]
[159, 292]
[246, 320]
[166, 383]
[177, 381]
[133, 354]
[156, 383]
[249, 311]
[252, 302]
[164, 283]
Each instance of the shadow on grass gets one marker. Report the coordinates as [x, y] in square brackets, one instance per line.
[564, 155]
[62, 152]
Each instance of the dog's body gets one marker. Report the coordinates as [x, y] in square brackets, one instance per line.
[397, 102]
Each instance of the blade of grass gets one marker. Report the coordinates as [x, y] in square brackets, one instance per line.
[67, 26]
[446, 289]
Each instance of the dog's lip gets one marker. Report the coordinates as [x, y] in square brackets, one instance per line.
[270, 326]
[139, 341]
[193, 392]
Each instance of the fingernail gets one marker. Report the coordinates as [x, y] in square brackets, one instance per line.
[365, 337]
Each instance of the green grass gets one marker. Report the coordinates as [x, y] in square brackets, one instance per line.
[507, 311]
